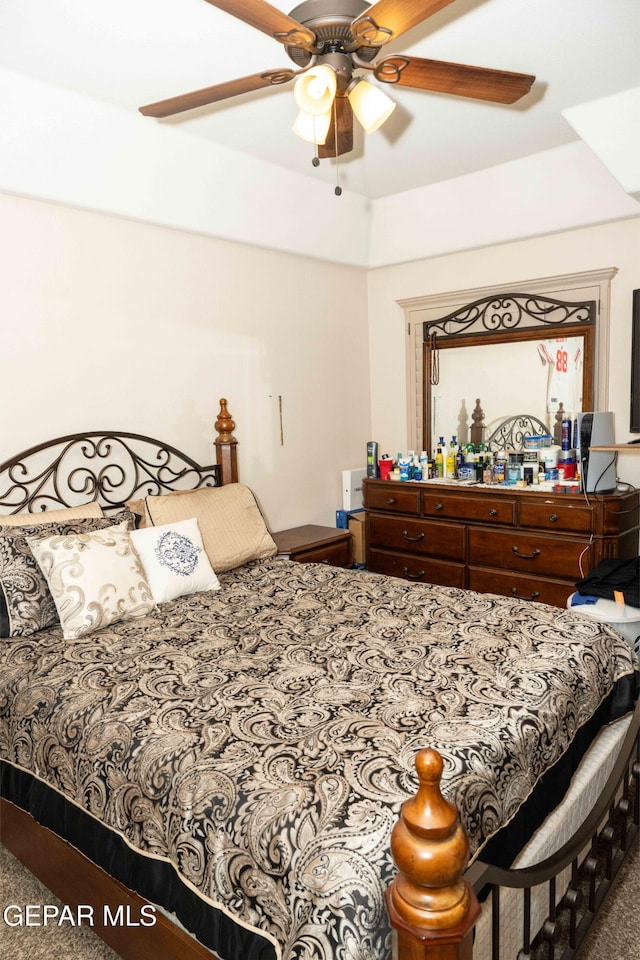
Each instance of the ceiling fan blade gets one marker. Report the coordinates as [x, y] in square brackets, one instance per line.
[342, 119]
[221, 91]
[388, 19]
[481, 83]
[262, 16]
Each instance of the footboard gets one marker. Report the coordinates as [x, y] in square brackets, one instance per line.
[433, 903]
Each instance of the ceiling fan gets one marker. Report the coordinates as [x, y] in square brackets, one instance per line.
[329, 40]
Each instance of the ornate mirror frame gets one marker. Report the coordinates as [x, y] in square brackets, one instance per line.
[565, 306]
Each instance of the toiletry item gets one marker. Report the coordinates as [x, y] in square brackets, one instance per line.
[450, 467]
[404, 465]
[567, 465]
[372, 459]
[514, 472]
[439, 458]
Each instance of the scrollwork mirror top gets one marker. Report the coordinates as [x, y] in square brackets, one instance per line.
[507, 318]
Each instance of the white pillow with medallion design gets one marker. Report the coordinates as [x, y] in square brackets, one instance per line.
[174, 560]
[95, 579]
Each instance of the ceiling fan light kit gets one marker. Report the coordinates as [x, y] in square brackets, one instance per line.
[314, 90]
[370, 104]
[313, 129]
[328, 40]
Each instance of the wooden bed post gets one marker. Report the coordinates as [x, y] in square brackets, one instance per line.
[431, 908]
[226, 445]
[477, 427]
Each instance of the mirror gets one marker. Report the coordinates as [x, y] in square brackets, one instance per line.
[517, 354]
[531, 377]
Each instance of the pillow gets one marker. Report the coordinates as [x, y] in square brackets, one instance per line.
[174, 560]
[26, 604]
[92, 509]
[139, 509]
[232, 527]
[95, 579]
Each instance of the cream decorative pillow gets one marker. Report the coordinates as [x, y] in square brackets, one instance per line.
[174, 560]
[232, 527]
[26, 604]
[95, 579]
[65, 515]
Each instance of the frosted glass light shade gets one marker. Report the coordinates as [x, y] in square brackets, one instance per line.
[313, 129]
[371, 105]
[314, 90]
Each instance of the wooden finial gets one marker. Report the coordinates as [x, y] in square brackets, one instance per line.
[428, 901]
[226, 444]
[225, 424]
[557, 424]
[477, 428]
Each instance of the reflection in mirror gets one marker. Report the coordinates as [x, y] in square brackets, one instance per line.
[525, 377]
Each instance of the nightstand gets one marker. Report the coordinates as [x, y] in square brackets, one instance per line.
[314, 544]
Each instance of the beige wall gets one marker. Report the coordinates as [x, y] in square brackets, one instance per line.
[614, 244]
[108, 323]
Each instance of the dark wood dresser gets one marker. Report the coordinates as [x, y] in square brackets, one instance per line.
[506, 540]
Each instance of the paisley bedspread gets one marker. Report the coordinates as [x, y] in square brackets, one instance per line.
[261, 739]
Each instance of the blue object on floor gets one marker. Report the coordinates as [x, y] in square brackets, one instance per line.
[578, 600]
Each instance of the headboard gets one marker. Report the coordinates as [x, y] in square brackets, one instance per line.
[111, 468]
[510, 432]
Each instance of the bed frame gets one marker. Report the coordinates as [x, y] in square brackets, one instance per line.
[433, 900]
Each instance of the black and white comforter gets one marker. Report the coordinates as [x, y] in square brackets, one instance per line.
[260, 739]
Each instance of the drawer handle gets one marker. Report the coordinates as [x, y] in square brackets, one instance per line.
[553, 517]
[413, 576]
[439, 506]
[405, 534]
[391, 500]
[514, 591]
[493, 512]
[526, 556]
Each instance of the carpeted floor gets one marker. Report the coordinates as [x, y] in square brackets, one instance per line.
[615, 936]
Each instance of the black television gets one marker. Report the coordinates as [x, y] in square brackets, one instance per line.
[634, 421]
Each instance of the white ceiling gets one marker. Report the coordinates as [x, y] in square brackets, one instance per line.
[133, 52]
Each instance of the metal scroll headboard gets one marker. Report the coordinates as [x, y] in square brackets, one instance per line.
[108, 467]
[510, 434]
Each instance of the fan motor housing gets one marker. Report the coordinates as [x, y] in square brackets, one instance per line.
[331, 22]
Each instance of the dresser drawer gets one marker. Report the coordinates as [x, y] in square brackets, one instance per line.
[492, 509]
[509, 584]
[529, 553]
[393, 498]
[417, 569]
[570, 518]
[417, 536]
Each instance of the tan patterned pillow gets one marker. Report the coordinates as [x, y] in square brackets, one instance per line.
[51, 516]
[232, 527]
[95, 579]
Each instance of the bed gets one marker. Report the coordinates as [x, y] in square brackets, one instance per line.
[239, 756]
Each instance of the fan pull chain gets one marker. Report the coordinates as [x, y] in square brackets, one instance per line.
[338, 188]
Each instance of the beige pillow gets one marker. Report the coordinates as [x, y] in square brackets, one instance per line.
[95, 579]
[232, 528]
[138, 507]
[92, 509]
